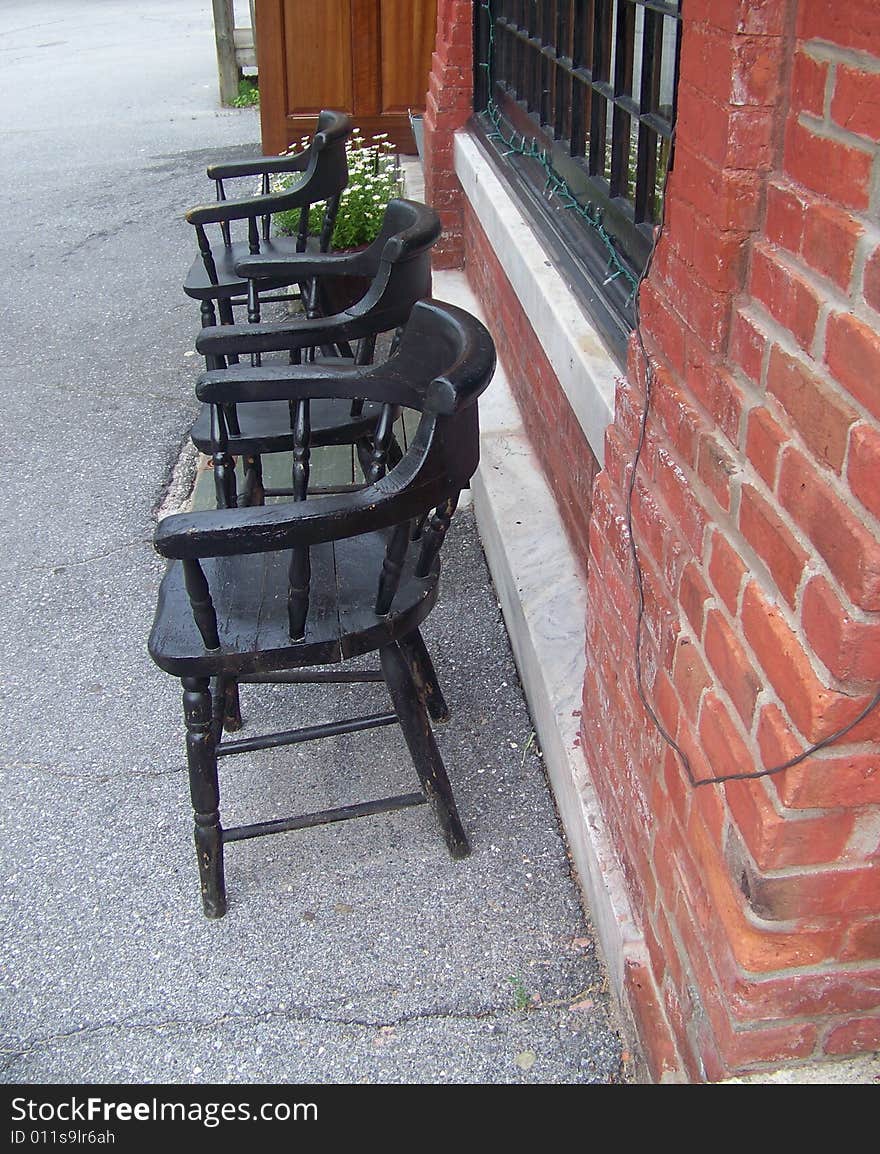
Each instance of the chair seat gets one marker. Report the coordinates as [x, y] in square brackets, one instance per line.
[265, 426]
[250, 599]
[199, 286]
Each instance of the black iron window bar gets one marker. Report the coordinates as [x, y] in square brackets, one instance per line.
[577, 99]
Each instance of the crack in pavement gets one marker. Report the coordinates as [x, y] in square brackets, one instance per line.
[297, 1014]
[93, 778]
[46, 568]
[305, 1014]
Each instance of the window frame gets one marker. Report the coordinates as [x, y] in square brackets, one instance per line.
[529, 132]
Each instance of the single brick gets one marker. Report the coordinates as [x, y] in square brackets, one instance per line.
[855, 24]
[816, 710]
[764, 441]
[808, 79]
[774, 543]
[829, 244]
[848, 647]
[825, 780]
[852, 353]
[863, 468]
[716, 467]
[785, 293]
[871, 283]
[827, 166]
[726, 571]
[730, 662]
[694, 596]
[823, 893]
[820, 414]
[857, 1036]
[787, 206]
[850, 549]
[748, 342]
[779, 840]
[855, 105]
[721, 739]
[690, 676]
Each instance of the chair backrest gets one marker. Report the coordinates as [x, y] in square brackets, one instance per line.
[323, 169]
[396, 267]
[444, 361]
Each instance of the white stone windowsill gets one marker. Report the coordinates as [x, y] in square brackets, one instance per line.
[577, 354]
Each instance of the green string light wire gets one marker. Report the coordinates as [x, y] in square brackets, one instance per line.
[554, 185]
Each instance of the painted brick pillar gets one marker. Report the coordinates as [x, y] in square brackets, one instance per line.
[449, 105]
[756, 514]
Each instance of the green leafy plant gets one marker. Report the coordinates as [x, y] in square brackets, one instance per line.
[248, 93]
[374, 178]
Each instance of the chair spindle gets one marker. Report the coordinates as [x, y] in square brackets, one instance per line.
[300, 561]
[267, 219]
[221, 462]
[253, 236]
[225, 228]
[377, 458]
[392, 567]
[207, 255]
[203, 610]
[433, 534]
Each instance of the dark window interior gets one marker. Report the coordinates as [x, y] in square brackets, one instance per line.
[575, 99]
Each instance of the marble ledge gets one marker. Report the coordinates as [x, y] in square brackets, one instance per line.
[543, 599]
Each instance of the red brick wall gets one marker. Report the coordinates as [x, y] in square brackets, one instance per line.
[755, 513]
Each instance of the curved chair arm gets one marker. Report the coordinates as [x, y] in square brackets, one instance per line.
[303, 266]
[288, 162]
[324, 174]
[332, 128]
[461, 339]
[408, 227]
[406, 492]
[305, 333]
[444, 361]
[263, 204]
[403, 276]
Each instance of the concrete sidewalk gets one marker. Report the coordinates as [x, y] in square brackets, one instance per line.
[355, 953]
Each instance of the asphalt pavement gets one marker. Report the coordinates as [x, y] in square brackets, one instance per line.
[356, 953]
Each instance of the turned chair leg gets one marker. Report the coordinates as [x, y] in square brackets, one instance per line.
[423, 748]
[204, 789]
[424, 677]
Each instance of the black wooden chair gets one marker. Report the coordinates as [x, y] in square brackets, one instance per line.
[266, 594]
[323, 175]
[394, 272]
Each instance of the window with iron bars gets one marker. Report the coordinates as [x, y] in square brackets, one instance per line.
[576, 101]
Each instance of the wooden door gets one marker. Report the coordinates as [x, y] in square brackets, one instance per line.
[370, 58]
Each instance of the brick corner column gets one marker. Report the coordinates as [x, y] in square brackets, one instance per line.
[448, 106]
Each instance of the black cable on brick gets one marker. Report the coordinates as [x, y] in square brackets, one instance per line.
[832, 738]
[556, 186]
